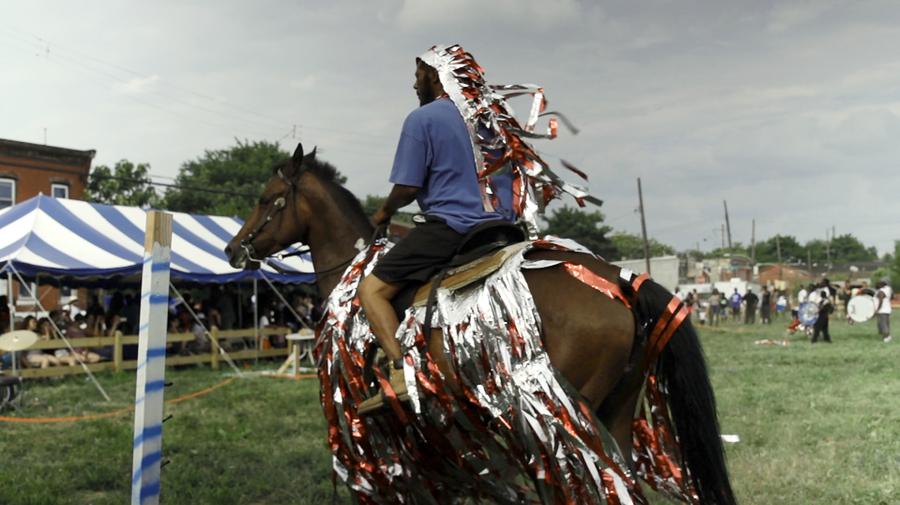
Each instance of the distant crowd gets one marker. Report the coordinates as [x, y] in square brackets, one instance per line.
[119, 311]
[828, 299]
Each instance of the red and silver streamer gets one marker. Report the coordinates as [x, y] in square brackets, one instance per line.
[498, 138]
[513, 431]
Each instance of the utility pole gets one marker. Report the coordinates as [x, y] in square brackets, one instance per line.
[723, 235]
[780, 264]
[809, 261]
[753, 243]
[827, 249]
[644, 226]
[727, 223]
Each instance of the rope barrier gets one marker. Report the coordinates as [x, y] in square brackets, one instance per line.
[91, 417]
[114, 413]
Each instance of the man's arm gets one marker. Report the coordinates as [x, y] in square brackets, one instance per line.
[880, 296]
[400, 196]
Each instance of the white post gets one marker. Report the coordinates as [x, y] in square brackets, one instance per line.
[148, 396]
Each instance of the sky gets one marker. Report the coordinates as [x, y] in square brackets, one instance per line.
[789, 111]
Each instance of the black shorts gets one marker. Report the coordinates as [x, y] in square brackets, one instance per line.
[421, 254]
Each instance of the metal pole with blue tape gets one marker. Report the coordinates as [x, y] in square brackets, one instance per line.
[148, 396]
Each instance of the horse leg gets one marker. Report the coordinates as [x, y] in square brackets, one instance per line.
[617, 413]
[589, 338]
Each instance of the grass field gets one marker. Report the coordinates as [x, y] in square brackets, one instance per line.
[819, 424]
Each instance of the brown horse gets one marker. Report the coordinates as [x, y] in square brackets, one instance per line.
[594, 341]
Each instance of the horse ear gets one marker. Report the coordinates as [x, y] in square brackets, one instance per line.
[297, 158]
[312, 155]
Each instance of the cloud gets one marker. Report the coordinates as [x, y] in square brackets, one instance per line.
[138, 85]
[526, 15]
[785, 16]
[305, 83]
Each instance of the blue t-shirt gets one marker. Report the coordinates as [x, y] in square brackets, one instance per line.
[435, 154]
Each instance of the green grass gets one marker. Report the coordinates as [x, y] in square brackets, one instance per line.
[819, 424]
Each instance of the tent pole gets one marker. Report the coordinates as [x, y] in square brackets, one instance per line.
[240, 308]
[12, 315]
[256, 319]
[284, 301]
[212, 343]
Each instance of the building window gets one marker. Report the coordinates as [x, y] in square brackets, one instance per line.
[26, 292]
[7, 193]
[59, 190]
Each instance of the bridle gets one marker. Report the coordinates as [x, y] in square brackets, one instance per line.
[277, 206]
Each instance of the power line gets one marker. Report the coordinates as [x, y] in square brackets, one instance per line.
[71, 63]
[178, 186]
[42, 44]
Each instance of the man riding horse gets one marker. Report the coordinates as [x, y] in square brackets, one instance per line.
[557, 378]
[434, 165]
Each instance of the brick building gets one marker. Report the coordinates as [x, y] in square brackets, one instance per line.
[29, 169]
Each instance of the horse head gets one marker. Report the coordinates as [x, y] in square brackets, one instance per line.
[279, 217]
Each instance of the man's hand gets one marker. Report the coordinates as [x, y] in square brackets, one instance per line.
[380, 217]
[400, 196]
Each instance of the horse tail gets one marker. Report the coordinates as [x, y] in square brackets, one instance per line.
[682, 373]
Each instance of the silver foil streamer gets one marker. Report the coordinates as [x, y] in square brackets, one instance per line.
[514, 433]
[485, 106]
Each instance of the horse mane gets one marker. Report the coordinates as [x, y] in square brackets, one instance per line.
[329, 175]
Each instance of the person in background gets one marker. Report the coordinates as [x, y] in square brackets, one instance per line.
[76, 330]
[96, 316]
[765, 306]
[224, 305]
[735, 302]
[750, 303]
[4, 314]
[781, 304]
[715, 300]
[700, 308]
[37, 358]
[820, 327]
[883, 310]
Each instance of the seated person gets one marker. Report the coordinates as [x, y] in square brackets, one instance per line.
[77, 330]
[38, 358]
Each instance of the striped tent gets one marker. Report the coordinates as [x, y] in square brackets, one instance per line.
[93, 243]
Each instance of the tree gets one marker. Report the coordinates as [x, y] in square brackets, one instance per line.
[791, 250]
[372, 203]
[125, 184]
[631, 246]
[736, 249]
[585, 228]
[894, 267]
[848, 249]
[842, 249]
[226, 182]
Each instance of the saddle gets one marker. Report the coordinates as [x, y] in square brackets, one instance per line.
[482, 252]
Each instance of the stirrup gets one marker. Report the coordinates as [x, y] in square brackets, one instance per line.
[379, 401]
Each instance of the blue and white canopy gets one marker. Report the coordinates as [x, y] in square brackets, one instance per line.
[90, 242]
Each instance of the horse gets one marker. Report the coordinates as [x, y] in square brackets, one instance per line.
[595, 342]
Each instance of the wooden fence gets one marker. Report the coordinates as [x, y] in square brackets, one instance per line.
[118, 341]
